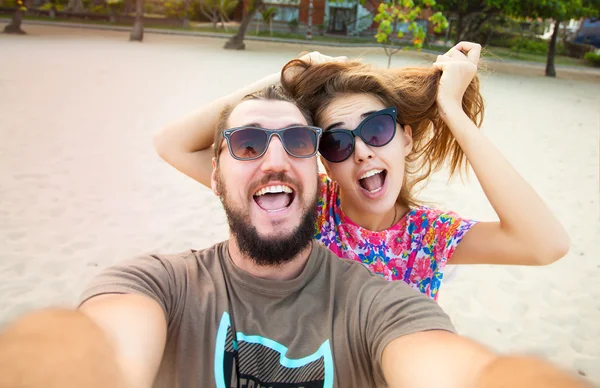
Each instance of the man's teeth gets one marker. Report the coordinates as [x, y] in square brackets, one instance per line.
[273, 189]
[370, 173]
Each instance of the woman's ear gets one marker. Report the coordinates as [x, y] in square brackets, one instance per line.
[407, 139]
[324, 163]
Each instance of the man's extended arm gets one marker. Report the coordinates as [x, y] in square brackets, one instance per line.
[442, 359]
[113, 341]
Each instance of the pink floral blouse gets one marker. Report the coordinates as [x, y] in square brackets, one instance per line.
[415, 250]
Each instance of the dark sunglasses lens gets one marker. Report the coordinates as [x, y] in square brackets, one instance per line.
[336, 146]
[248, 143]
[379, 130]
[300, 141]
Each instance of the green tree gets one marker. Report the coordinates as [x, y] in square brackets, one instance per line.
[218, 11]
[268, 15]
[470, 15]
[558, 11]
[210, 9]
[395, 12]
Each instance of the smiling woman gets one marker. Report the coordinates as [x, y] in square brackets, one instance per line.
[386, 130]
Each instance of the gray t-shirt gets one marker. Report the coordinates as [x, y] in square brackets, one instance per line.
[326, 328]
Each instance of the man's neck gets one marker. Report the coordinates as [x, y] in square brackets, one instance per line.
[290, 270]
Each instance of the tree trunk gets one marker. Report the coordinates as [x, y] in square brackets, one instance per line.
[271, 26]
[137, 33]
[459, 27]
[186, 14]
[15, 24]
[236, 42]
[550, 70]
[112, 15]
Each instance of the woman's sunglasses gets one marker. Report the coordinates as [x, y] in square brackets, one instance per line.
[248, 143]
[376, 130]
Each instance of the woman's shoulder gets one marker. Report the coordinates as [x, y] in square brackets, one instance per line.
[425, 217]
[437, 221]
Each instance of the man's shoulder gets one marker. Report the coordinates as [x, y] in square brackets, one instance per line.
[169, 264]
[189, 259]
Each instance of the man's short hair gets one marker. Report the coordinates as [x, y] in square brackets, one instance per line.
[270, 93]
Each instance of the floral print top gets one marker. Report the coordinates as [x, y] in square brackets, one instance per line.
[414, 250]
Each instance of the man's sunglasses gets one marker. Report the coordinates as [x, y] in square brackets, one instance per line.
[248, 143]
[377, 130]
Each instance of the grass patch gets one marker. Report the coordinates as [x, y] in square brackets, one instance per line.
[506, 53]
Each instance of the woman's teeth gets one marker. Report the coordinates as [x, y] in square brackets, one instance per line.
[370, 173]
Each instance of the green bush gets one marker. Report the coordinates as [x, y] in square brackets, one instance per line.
[176, 9]
[531, 46]
[293, 24]
[100, 8]
[592, 58]
[503, 39]
[151, 8]
[48, 6]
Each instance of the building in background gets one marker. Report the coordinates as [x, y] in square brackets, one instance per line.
[332, 17]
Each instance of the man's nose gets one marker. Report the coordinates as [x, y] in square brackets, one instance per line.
[276, 158]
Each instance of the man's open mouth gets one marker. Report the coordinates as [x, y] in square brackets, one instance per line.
[274, 198]
[373, 180]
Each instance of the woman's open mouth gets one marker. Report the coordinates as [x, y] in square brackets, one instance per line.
[373, 180]
[274, 198]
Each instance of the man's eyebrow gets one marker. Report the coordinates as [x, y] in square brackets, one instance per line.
[362, 116]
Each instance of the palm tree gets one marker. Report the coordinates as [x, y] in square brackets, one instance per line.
[268, 15]
[236, 42]
[137, 33]
[14, 27]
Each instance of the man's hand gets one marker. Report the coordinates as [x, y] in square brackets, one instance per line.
[442, 359]
[57, 348]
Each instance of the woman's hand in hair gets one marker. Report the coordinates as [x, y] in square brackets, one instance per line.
[315, 58]
[458, 66]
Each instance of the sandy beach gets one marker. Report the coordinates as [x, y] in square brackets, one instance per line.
[82, 188]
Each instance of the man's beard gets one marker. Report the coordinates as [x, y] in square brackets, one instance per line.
[269, 251]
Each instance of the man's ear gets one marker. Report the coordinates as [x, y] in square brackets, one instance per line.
[408, 140]
[214, 176]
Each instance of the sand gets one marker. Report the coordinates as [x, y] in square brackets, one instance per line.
[81, 187]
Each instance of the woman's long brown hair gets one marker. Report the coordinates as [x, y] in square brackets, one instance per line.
[412, 91]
